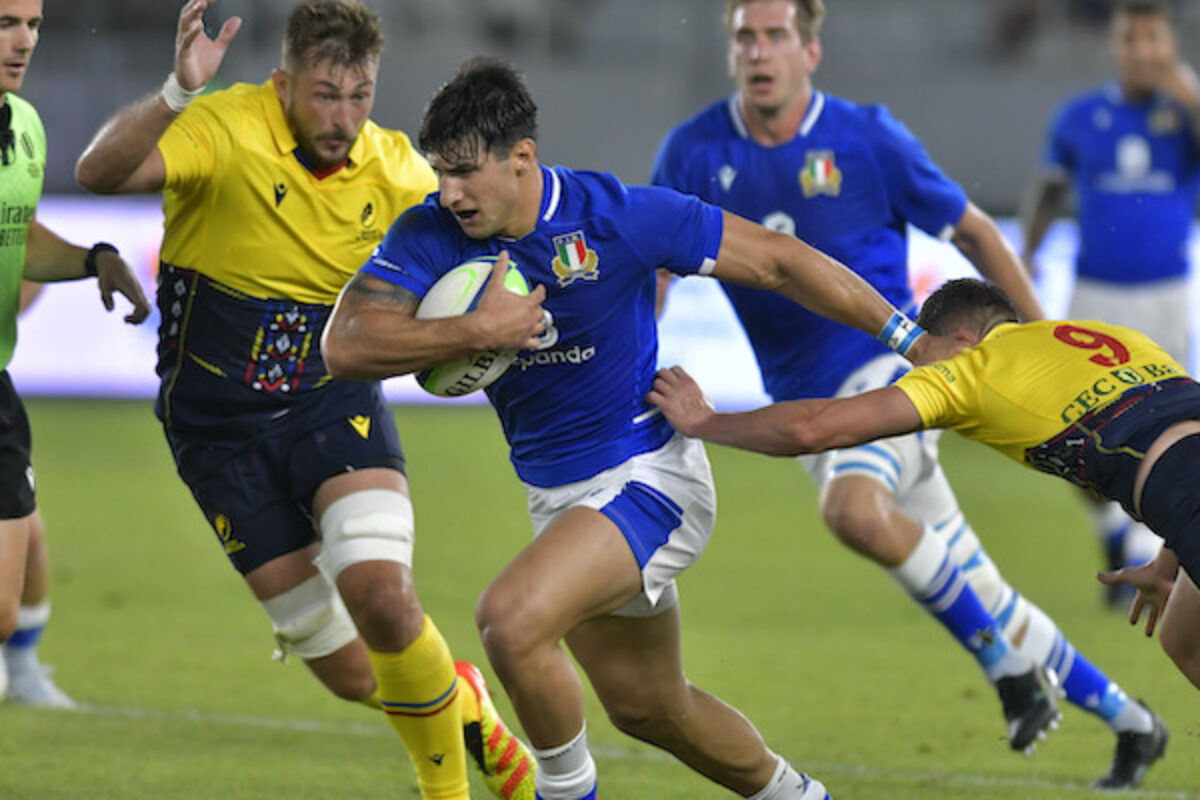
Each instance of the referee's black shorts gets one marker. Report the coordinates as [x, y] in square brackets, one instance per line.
[16, 467]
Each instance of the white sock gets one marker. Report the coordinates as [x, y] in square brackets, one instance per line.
[788, 784]
[1141, 544]
[1132, 718]
[567, 772]
[20, 652]
[1108, 518]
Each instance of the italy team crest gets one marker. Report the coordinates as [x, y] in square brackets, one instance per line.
[820, 174]
[1165, 119]
[574, 259]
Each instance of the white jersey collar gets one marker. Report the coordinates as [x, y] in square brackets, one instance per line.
[551, 193]
[815, 107]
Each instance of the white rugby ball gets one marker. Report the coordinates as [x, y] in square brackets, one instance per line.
[455, 293]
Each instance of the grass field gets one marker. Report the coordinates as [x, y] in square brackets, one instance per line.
[839, 670]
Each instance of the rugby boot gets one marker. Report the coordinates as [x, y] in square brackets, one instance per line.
[1135, 753]
[1030, 707]
[505, 763]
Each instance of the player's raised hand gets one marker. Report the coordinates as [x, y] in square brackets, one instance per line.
[197, 57]
[681, 400]
[113, 275]
[514, 321]
[1180, 81]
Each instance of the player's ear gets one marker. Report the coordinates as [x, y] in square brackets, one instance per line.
[525, 153]
[813, 48]
[966, 337]
[282, 82]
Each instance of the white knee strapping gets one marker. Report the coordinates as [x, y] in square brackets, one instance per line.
[923, 564]
[310, 620]
[371, 525]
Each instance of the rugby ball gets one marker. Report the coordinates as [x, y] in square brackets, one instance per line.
[455, 293]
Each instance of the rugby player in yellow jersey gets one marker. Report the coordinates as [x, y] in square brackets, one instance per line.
[1100, 405]
[274, 195]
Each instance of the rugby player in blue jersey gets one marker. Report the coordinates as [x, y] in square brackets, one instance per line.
[848, 180]
[620, 504]
[1131, 150]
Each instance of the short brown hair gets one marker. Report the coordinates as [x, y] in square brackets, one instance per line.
[809, 16]
[343, 32]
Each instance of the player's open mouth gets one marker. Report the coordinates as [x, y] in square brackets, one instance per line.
[465, 215]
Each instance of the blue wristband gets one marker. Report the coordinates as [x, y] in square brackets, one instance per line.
[899, 333]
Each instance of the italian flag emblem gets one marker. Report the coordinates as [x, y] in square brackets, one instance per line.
[820, 174]
[574, 259]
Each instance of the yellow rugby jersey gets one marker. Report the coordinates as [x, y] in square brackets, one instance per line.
[1024, 384]
[241, 209]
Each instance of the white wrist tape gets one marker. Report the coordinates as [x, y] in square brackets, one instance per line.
[175, 96]
[899, 333]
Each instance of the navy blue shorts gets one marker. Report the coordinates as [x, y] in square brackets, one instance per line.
[1171, 502]
[257, 492]
[16, 470]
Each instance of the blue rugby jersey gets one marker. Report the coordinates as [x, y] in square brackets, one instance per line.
[847, 184]
[1136, 171]
[576, 407]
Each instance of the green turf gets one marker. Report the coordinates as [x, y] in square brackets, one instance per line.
[840, 671]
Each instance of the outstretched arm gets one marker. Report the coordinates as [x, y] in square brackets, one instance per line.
[1042, 202]
[374, 334]
[755, 256]
[977, 237]
[48, 257]
[123, 157]
[784, 429]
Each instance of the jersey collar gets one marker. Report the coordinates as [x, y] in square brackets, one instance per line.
[551, 194]
[1115, 94]
[815, 107]
[551, 198]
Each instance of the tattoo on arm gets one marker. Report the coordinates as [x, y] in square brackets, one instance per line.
[369, 290]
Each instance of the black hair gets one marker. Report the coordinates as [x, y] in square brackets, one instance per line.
[485, 105]
[966, 303]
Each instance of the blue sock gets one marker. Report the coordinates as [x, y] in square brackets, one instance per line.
[1085, 685]
[954, 603]
[934, 580]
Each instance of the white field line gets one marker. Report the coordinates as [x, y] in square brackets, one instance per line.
[636, 753]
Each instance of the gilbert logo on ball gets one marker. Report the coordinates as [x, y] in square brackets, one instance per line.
[457, 292]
